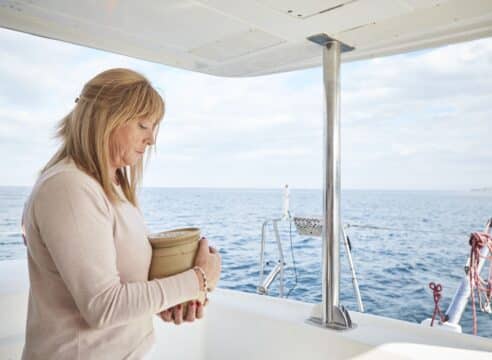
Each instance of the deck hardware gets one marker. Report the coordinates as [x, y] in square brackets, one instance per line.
[325, 40]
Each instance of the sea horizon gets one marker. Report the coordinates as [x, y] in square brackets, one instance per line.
[281, 188]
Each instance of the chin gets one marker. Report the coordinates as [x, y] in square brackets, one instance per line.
[134, 162]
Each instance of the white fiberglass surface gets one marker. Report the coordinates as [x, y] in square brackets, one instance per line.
[248, 326]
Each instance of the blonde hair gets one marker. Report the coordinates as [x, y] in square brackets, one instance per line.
[108, 101]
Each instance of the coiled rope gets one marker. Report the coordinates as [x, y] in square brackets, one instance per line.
[482, 288]
[436, 292]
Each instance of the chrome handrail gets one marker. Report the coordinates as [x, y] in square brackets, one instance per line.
[264, 283]
[309, 226]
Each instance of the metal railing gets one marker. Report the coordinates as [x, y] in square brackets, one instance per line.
[308, 226]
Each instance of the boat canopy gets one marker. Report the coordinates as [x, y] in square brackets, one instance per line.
[249, 38]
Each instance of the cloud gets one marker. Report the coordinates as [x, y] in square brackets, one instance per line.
[402, 116]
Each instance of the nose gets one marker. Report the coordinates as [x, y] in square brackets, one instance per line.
[150, 138]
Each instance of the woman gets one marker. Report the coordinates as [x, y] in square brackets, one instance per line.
[88, 253]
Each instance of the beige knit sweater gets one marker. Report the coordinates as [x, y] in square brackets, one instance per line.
[88, 265]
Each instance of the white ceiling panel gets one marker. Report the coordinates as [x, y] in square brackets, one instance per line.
[243, 38]
[237, 45]
[355, 14]
[269, 59]
[178, 24]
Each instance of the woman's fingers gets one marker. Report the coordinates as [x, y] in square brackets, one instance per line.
[199, 310]
[194, 311]
[178, 314]
[203, 244]
[190, 311]
[167, 315]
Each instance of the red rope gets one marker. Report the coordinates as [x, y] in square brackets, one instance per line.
[477, 285]
[436, 291]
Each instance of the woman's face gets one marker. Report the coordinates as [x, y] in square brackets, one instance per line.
[129, 142]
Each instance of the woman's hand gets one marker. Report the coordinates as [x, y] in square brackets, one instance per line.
[208, 259]
[194, 311]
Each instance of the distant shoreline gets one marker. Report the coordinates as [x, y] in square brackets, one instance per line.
[485, 189]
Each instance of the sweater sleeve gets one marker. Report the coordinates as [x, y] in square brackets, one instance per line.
[75, 221]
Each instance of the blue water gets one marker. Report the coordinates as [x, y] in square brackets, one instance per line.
[394, 267]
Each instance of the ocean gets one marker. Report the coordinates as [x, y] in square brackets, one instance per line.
[401, 241]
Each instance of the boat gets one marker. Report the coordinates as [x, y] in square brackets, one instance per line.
[236, 38]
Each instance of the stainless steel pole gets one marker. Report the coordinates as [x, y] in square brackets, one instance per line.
[333, 315]
[331, 182]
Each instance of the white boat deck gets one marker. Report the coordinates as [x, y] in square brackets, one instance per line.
[248, 326]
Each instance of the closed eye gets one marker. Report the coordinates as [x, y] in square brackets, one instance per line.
[143, 127]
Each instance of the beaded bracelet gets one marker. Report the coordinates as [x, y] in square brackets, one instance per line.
[205, 283]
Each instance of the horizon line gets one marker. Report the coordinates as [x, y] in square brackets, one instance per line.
[471, 189]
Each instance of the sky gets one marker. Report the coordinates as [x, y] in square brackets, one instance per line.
[416, 121]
